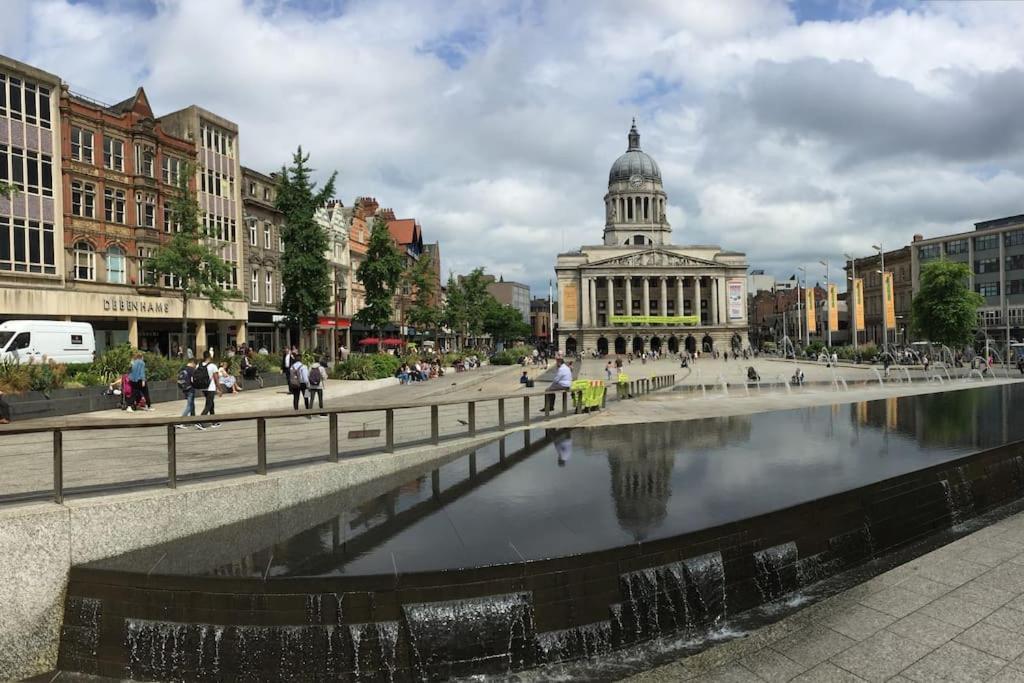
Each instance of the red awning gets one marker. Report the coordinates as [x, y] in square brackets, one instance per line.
[392, 341]
[369, 341]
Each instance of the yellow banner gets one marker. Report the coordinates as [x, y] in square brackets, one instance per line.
[570, 303]
[833, 309]
[663, 319]
[889, 303]
[809, 306]
[858, 304]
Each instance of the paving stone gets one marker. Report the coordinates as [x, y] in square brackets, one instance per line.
[991, 555]
[954, 662]
[770, 665]
[927, 587]
[1008, 675]
[730, 673]
[993, 640]
[977, 591]
[813, 645]
[827, 673]
[896, 601]
[1007, 577]
[953, 571]
[881, 656]
[957, 611]
[1008, 618]
[857, 622]
[925, 629]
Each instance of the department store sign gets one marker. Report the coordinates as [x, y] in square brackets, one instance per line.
[132, 304]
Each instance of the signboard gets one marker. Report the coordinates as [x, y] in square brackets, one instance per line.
[662, 319]
[889, 303]
[735, 291]
[570, 303]
[809, 307]
[325, 321]
[833, 309]
[858, 304]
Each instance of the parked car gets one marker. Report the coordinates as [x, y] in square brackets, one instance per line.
[22, 341]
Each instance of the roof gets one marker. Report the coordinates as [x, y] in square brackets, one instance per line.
[405, 230]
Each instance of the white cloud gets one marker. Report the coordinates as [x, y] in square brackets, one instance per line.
[495, 124]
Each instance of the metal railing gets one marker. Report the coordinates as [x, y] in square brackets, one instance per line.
[92, 455]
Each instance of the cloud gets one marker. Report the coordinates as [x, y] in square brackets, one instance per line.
[793, 131]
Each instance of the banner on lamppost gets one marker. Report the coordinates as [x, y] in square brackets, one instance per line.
[889, 303]
[809, 307]
[833, 308]
[858, 303]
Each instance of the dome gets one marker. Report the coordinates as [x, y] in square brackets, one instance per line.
[634, 162]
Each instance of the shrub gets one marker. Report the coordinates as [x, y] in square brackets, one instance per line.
[265, 364]
[114, 362]
[44, 376]
[362, 366]
[511, 356]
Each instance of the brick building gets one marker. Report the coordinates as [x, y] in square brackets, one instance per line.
[897, 262]
[263, 247]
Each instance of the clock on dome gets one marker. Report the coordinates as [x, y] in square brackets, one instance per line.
[636, 182]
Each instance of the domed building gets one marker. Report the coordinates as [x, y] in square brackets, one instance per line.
[639, 292]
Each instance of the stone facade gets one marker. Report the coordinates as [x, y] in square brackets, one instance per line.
[262, 253]
[667, 297]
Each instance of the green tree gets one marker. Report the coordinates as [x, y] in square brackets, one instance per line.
[945, 310]
[186, 259]
[305, 272]
[467, 304]
[380, 274]
[419, 277]
[454, 313]
[504, 323]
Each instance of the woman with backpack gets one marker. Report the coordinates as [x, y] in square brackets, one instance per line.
[298, 381]
[317, 380]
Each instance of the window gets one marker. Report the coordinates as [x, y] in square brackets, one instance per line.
[266, 194]
[85, 261]
[113, 205]
[266, 235]
[270, 288]
[987, 288]
[115, 265]
[113, 154]
[255, 286]
[929, 251]
[1015, 287]
[81, 144]
[170, 169]
[25, 100]
[956, 247]
[1013, 238]
[252, 189]
[29, 171]
[988, 265]
[988, 242]
[145, 210]
[144, 160]
[280, 242]
[252, 231]
[83, 199]
[27, 246]
[1015, 262]
[215, 139]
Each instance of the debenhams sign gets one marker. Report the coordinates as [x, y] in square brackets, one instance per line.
[135, 305]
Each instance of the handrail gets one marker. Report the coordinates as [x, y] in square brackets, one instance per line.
[57, 426]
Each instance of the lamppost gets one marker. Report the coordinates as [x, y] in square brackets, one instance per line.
[885, 322]
[806, 321]
[853, 290]
[828, 306]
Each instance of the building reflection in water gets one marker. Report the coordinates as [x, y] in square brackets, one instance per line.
[641, 461]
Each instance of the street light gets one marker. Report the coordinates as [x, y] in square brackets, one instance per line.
[853, 286]
[806, 320]
[828, 306]
[885, 322]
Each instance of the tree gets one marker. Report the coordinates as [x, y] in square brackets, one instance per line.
[305, 272]
[945, 310]
[187, 261]
[467, 303]
[379, 274]
[503, 322]
[454, 313]
[419, 277]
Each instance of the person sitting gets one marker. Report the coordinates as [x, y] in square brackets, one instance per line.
[226, 382]
[752, 375]
[524, 378]
[798, 378]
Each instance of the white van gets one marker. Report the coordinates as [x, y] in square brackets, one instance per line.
[22, 340]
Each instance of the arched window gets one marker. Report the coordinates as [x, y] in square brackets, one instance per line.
[116, 265]
[85, 261]
[639, 239]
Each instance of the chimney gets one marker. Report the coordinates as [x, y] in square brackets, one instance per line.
[918, 237]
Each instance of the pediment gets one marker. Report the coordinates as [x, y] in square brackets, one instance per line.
[654, 258]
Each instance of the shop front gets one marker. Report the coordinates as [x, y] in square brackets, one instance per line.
[333, 332]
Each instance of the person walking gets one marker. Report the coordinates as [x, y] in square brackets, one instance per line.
[298, 382]
[204, 379]
[137, 376]
[562, 382]
[187, 389]
[317, 380]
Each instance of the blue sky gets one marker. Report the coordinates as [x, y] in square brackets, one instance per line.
[793, 131]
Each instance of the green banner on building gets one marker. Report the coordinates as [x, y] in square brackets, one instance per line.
[659, 319]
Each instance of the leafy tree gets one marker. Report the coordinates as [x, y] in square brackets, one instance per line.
[305, 272]
[945, 310]
[380, 274]
[454, 313]
[419, 277]
[467, 303]
[504, 323]
[193, 266]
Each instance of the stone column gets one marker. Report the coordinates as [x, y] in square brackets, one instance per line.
[593, 302]
[133, 332]
[241, 333]
[723, 301]
[713, 302]
[200, 338]
[696, 300]
[585, 301]
[679, 296]
[611, 299]
[628, 307]
[664, 295]
[647, 296]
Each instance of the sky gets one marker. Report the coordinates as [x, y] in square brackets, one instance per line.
[792, 131]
